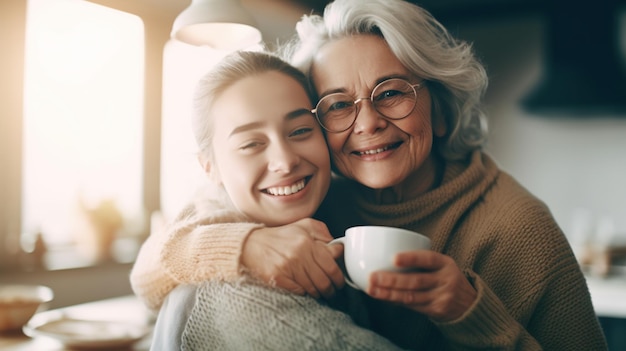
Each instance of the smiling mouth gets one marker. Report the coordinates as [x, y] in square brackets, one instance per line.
[378, 150]
[288, 189]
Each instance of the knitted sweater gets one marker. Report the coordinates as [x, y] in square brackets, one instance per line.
[246, 315]
[203, 242]
[532, 294]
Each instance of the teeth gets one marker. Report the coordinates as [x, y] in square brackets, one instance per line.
[287, 190]
[372, 152]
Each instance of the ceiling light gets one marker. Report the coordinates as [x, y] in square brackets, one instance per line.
[220, 24]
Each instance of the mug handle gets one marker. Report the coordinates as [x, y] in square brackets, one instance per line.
[341, 240]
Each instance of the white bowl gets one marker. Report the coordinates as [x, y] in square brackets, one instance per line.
[18, 303]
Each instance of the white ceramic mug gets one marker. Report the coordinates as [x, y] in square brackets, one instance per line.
[368, 249]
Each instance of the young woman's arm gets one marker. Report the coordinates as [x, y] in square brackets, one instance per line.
[211, 240]
[203, 242]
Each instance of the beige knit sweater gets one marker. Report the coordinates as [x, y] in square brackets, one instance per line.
[532, 294]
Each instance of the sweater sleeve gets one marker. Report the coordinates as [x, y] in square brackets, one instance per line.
[202, 243]
[532, 294]
[487, 324]
[193, 254]
[148, 278]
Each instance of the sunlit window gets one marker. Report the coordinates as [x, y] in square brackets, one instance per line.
[83, 118]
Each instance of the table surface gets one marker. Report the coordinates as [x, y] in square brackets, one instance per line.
[123, 309]
[608, 295]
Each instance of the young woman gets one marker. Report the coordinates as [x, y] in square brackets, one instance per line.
[265, 156]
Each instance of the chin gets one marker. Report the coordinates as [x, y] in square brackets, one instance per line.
[373, 184]
[380, 181]
[293, 216]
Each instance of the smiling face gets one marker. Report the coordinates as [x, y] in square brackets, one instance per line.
[377, 152]
[270, 154]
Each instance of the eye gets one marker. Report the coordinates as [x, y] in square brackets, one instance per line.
[339, 105]
[334, 103]
[302, 132]
[388, 94]
[250, 146]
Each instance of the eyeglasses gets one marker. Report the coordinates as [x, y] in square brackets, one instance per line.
[393, 98]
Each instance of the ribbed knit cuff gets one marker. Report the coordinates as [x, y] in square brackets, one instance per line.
[487, 323]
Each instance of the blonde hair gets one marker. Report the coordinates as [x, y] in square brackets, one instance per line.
[228, 71]
[455, 78]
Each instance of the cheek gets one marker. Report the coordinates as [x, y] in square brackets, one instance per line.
[419, 124]
[336, 141]
[233, 170]
[339, 159]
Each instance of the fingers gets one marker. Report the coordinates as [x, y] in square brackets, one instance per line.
[295, 257]
[330, 271]
[316, 229]
[288, 285]
[426, 260]
[403, 281]
[406, 297]
[439, 289]
[321, 271]
[304, 280]
[336, 250]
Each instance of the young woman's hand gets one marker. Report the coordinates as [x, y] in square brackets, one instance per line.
[439, 290]
[295, 257]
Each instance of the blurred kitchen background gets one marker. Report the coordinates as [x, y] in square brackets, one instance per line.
[95, 147]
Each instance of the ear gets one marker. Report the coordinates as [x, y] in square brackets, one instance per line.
[439, 125]
[209, 171]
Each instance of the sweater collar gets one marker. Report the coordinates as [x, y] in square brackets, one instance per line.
[463, 181]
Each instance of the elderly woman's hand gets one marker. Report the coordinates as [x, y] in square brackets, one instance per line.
[439, 290]
[295, 257]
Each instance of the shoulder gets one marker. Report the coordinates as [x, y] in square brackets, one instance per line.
[509, 219]
[509, 203]
[512, 222]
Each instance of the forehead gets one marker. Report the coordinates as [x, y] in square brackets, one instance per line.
[262, 97]
[354, 60]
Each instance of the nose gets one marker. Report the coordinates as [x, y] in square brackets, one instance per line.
[282, 158]
[368, 120]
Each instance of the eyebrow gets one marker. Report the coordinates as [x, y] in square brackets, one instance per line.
[254, 125]
[378, 81]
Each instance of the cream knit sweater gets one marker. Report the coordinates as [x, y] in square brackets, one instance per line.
[532, 294]
[246, 315]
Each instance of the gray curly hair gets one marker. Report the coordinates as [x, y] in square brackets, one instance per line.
[456, 79]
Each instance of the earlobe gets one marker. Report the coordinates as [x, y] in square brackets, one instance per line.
[209, 171]
[439, 125]
[438, 120]
[204, 163]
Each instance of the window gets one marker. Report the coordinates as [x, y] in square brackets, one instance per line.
[82, 131]
[86, 156]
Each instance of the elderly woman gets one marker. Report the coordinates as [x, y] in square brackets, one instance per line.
[399, 99]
